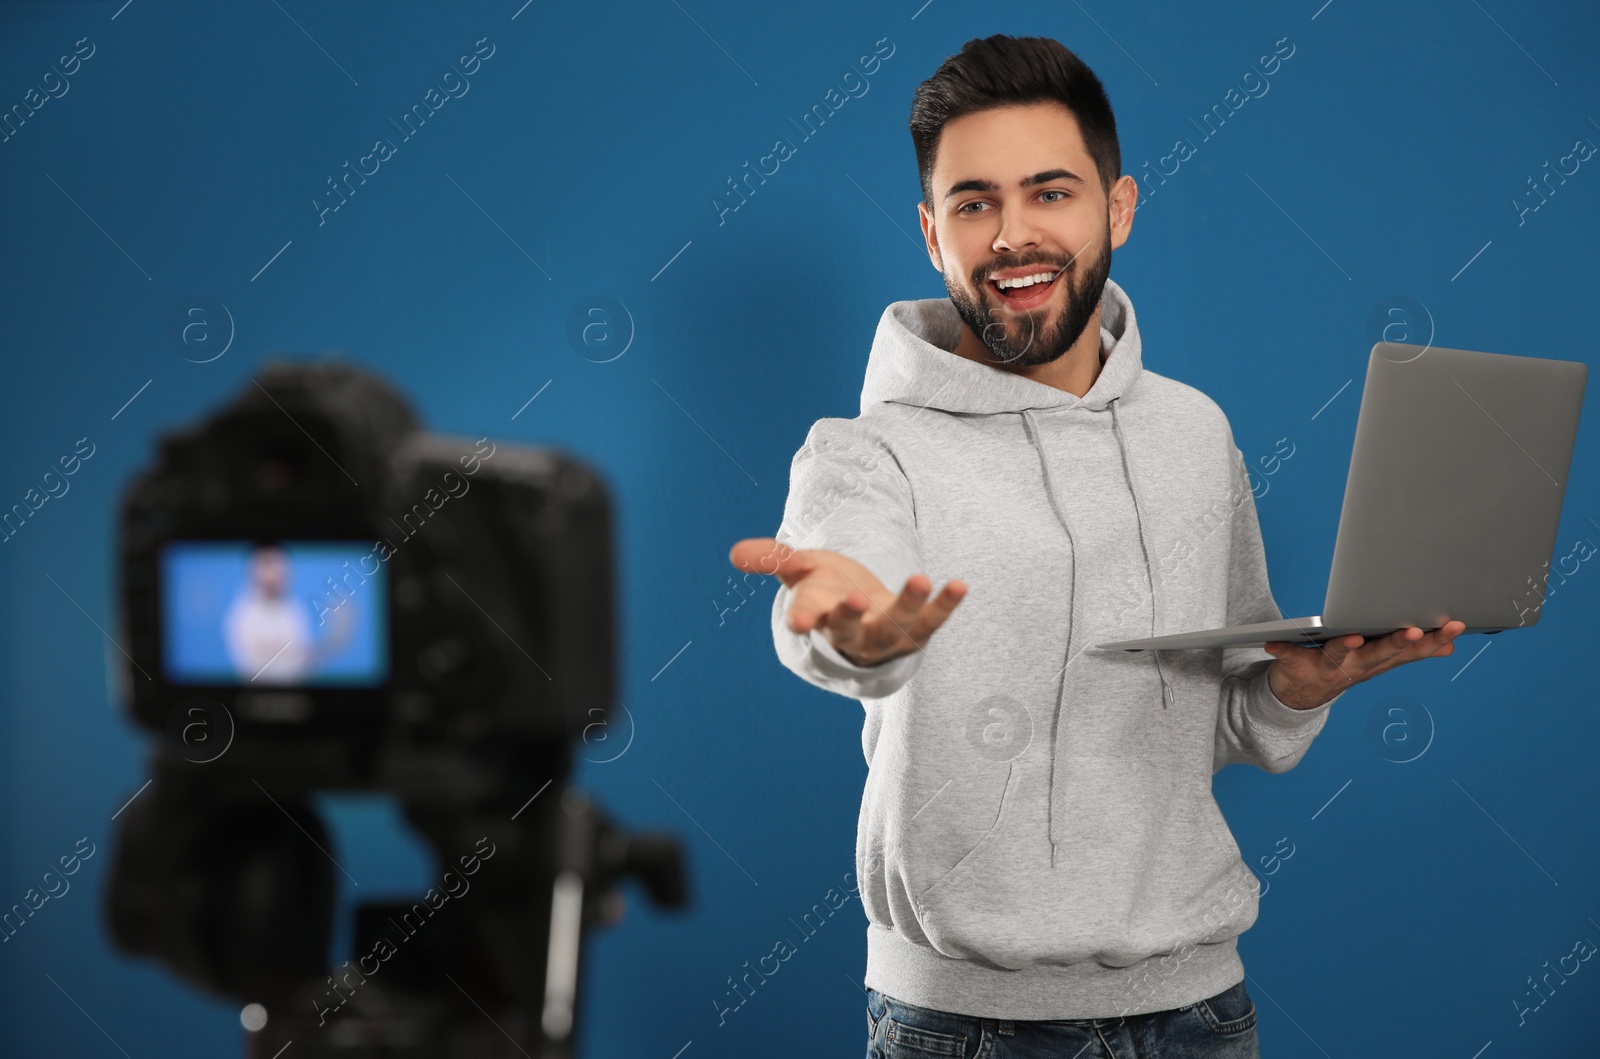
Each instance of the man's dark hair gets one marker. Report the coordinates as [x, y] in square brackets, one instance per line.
[1001, 71]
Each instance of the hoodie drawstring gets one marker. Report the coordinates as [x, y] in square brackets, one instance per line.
[1055, 719]
[1050, 494]
[1149, 570]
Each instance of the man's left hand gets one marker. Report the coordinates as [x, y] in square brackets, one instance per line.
[1306, 677]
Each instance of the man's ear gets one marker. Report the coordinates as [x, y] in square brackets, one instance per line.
[1120, 209]
[930, 236]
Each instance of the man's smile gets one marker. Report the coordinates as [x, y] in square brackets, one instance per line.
[1027, 297]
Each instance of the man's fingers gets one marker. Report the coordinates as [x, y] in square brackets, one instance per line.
[1445, 636]
[1408, 645]
[1350, 659]
[914, 617]
[1401, 647]
[844, 620]
[853, 618]
[1392, 646]
[902, 613]
[1338, 649]
[766, 555]
[807, 608]
[937, 610]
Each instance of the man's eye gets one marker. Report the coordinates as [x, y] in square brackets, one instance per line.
[1054, 191]
[963, 207]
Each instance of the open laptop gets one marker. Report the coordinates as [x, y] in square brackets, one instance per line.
[1451, 506]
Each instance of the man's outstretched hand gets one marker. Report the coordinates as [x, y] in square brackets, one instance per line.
[865, 622]
[1306, 677]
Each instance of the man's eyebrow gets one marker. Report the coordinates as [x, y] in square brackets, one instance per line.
[1038, 178]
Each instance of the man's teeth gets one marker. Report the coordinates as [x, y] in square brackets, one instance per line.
[1025, 281]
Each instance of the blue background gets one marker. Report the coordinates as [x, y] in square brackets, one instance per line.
[201, 581]
[1384, 163]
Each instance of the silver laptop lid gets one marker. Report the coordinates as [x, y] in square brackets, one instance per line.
[1455, 487]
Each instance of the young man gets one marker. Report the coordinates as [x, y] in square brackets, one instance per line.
[1042, 863]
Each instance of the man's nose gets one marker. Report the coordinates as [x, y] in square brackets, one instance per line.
[1017, 230]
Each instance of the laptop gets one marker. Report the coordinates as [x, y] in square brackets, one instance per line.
[1451, 505]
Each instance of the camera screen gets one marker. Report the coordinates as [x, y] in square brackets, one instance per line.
[303, 613]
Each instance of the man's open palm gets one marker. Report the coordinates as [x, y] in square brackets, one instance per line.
[865, 622]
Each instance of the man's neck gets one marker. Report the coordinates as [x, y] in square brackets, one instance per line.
[1075, 371]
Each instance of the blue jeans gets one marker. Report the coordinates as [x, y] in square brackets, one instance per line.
[1220, 1027]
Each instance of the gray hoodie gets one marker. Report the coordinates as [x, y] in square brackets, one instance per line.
[1038, 837]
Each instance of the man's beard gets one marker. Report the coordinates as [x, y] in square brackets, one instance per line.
[1024, 338]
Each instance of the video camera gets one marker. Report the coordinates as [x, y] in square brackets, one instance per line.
[317, 595]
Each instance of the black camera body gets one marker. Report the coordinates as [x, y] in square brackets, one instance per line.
[317, 595]
[482, 571]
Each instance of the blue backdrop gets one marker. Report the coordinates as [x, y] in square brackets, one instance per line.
[555, 257]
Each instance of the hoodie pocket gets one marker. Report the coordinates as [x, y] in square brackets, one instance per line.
[971, 861]
[951, 923]
[908, 841]
[976, 837]
[1129, 882]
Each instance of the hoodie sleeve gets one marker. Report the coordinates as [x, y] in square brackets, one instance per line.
[1253, 726]
[847, 493]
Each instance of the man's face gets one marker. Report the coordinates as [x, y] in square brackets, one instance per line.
[269, 570]
[987, 222]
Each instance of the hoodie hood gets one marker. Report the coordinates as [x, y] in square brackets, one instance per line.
[912, 363]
